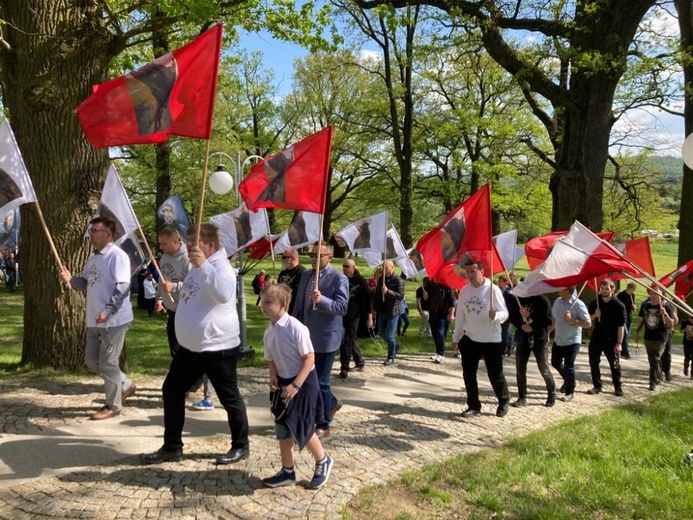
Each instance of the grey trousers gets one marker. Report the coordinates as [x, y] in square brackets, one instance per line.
[101, 356]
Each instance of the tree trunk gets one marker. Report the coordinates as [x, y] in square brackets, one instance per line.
[58, 49]
[685, 10]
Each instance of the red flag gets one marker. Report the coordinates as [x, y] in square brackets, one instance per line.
[261, 248]
[172, 95]
[537, 249]
[454, 275]
[682, 277]
[295, 178]
[467, 229]
[637, 251]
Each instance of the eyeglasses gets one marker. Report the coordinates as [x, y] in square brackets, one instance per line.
[315, 255]
[92, 230]
[347, 266]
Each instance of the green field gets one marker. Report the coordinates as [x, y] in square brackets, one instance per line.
[148, 349]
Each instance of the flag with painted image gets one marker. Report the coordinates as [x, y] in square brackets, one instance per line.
[172, 212]
[16, 187]
[296, 178]
[304, 230]
[172, 95]
[366, 234]
[240, 228]
[394, 250]
[116, 205]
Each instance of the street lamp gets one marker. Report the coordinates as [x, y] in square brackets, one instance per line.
[221, 182]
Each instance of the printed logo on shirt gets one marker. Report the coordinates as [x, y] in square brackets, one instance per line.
[189, 290]
[475, 305]
[94, 276]
[652, 318]
[168, 271]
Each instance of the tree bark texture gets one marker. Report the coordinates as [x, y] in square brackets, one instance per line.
[57, 50]
[685, 10]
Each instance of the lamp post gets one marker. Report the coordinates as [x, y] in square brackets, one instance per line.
[220, 178]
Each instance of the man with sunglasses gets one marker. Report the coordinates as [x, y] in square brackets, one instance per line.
[106, 280]
[291, 273]
[321, 310]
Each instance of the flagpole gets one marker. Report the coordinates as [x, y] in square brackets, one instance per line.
[202, 193]
[578, 296]
[48, 236]
[152, 258]
[317, 263]
[596, 291]
[679, 304]
[269, 239]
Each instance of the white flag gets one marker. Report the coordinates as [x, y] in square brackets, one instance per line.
[412, 264]
[395, 250]
[367, 234]
[506, 245]
[240, 228]
[15, 185]
[304, 230]
[116, 204]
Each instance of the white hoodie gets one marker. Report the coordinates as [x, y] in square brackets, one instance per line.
[471, 316]
[206, 318]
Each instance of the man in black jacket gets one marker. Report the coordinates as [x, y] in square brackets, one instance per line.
[532, 318]
[359, 302]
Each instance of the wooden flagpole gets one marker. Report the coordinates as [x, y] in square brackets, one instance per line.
[49, 237]
[317, 264]
[578, 296]
[200, 208]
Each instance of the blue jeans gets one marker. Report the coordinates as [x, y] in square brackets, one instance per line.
[386, 330]
[439, 329]
[323, 368]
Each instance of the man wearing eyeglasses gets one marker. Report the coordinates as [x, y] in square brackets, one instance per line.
[291, 273]
[321, 310]
[106, 280]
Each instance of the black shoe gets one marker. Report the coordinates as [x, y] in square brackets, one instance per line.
[343, 374]
[551, 401]
[667, 376]
[625, 356]
[519, 403]
[618, 392]
[594, 391]
[567, 398]
[359, 368]
[502, 409]
[562, 389]
[162, 455]
[470, 412]
[233, 456]
[652, 386]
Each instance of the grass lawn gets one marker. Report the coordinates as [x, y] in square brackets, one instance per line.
[147, 347]
[629, 462]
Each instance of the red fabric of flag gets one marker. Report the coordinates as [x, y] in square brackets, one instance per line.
[637, 251]
[260, 249]
[466, 229]
[296, 178]
[682, 277]
[537, 249]
[172, 95]
[454, 275]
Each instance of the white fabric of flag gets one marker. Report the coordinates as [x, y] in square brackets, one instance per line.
[408, 266]
[367, 234]
[304, 230]
[15, 184]
[116, 204]
[395, 250]
[240, 228]
[506, 245]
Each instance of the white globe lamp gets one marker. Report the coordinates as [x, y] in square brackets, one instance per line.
[220, 181]
[687, 151]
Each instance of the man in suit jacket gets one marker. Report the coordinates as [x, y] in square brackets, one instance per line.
[321, 310]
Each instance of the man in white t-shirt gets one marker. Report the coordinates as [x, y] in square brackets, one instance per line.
[478, 334]
[106, 280]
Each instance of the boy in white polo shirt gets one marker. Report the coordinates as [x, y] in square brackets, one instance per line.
[292, 372]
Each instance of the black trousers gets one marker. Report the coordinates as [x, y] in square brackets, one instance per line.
[541, 354]
[186, 368]
[472, 352]
[171, 333]
[350, 346]
[595, 351]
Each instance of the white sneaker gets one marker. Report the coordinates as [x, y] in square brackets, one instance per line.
[439, 359]
[434, 357]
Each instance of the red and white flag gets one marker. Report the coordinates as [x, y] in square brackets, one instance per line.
[637, 251]
[537, 249]
[682, 278]
[296, 178]
[574, 258]
[172, 95]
